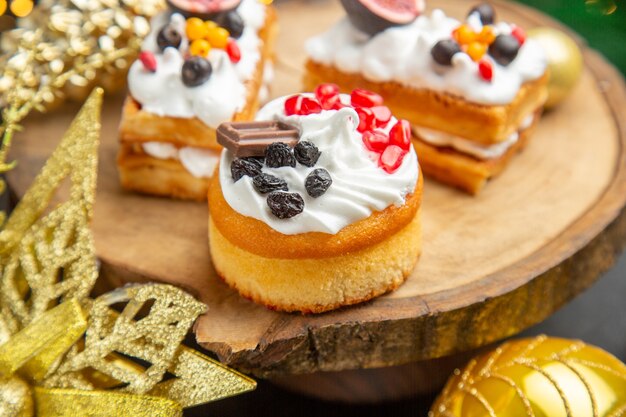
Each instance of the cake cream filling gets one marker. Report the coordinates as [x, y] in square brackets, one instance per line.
[217, 100]
[443, 139]
[198, 162]
[359, 185]
[403, 54]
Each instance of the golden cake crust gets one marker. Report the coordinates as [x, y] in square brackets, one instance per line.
[484, 124]
[141, 126]
[258, 238]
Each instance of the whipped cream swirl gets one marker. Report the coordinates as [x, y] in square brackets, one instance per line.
[402, 54]
[163, 92]
[359, 186]
[198, 162]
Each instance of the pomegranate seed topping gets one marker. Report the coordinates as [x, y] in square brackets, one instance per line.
[375, 140]
[233, 51]
[148, 60]
[309, 106]
[400, 135]
[519, 34]
[382, 115]
[485, 68]
[337, 104]
[324, 91]
[330, 102]
[366, 119]
[365, 98]
[293, 105]
[391, 159]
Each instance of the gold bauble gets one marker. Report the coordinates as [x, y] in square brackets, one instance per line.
[541, 377]
[16, 398]
[565, 62]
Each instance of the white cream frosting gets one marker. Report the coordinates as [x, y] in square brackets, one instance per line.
[402, 54]
[359, 186]
[198, 162]
[439, 138]
[163, 92]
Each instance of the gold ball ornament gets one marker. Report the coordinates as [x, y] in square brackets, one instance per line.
[16, 398]
[565, 62]
[541, 377]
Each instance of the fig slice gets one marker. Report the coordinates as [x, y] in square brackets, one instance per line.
[374, 16]
[204, 9]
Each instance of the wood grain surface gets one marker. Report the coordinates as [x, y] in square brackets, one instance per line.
[492, 265]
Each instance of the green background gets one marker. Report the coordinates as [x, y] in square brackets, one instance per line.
[606, 33]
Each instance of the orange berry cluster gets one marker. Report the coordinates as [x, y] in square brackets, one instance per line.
[475, 44]
[204, 36]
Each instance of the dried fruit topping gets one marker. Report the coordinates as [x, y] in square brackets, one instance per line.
[233, 51]
[195, 28]
[306, 153]
[400, 135]
[232, 22]
[200, 47]
[279, 155]
[504, 49]
[245, 166]
[218, 37]
[285, 205]
[365, 98]
[375, 140]
[382, 115]
[476, 50]
[167, 37]
[317, 182]
[519, 34]
[374, 16]
[293, 105]
[266, 183]
[366, 119]
[148, 60]
[391, 158]
[485, 69]
[444, 50]
[486, 13]
[196, 71]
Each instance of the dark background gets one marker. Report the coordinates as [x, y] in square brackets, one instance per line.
[597, 317]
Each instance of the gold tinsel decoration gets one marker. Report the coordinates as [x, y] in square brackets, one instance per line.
[537, 377]
[63, 353]
[62, 49]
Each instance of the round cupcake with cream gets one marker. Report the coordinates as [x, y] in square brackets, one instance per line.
[317, 205]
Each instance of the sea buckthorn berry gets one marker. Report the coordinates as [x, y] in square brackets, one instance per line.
[148, 60]
[391, 158]
[443, 51]
[285, 205]
[279, 155]
[485, 69]
[196, 29]
[306, 153]
[519, 34]
[400, 135]
[476, 50]
[464, 34]
[382, 115]
[233, 51]
[317, 182]
[365, 98]
[167, 37]
[504, 49]
[210, 25]
[375, 140]
[293, 105]
[366, 119]
[310, 106]
[200, 47]
[486, 13]
[218, 37]
[487, 35]
[266, 183]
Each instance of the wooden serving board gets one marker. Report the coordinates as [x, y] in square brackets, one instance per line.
[492, 265]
